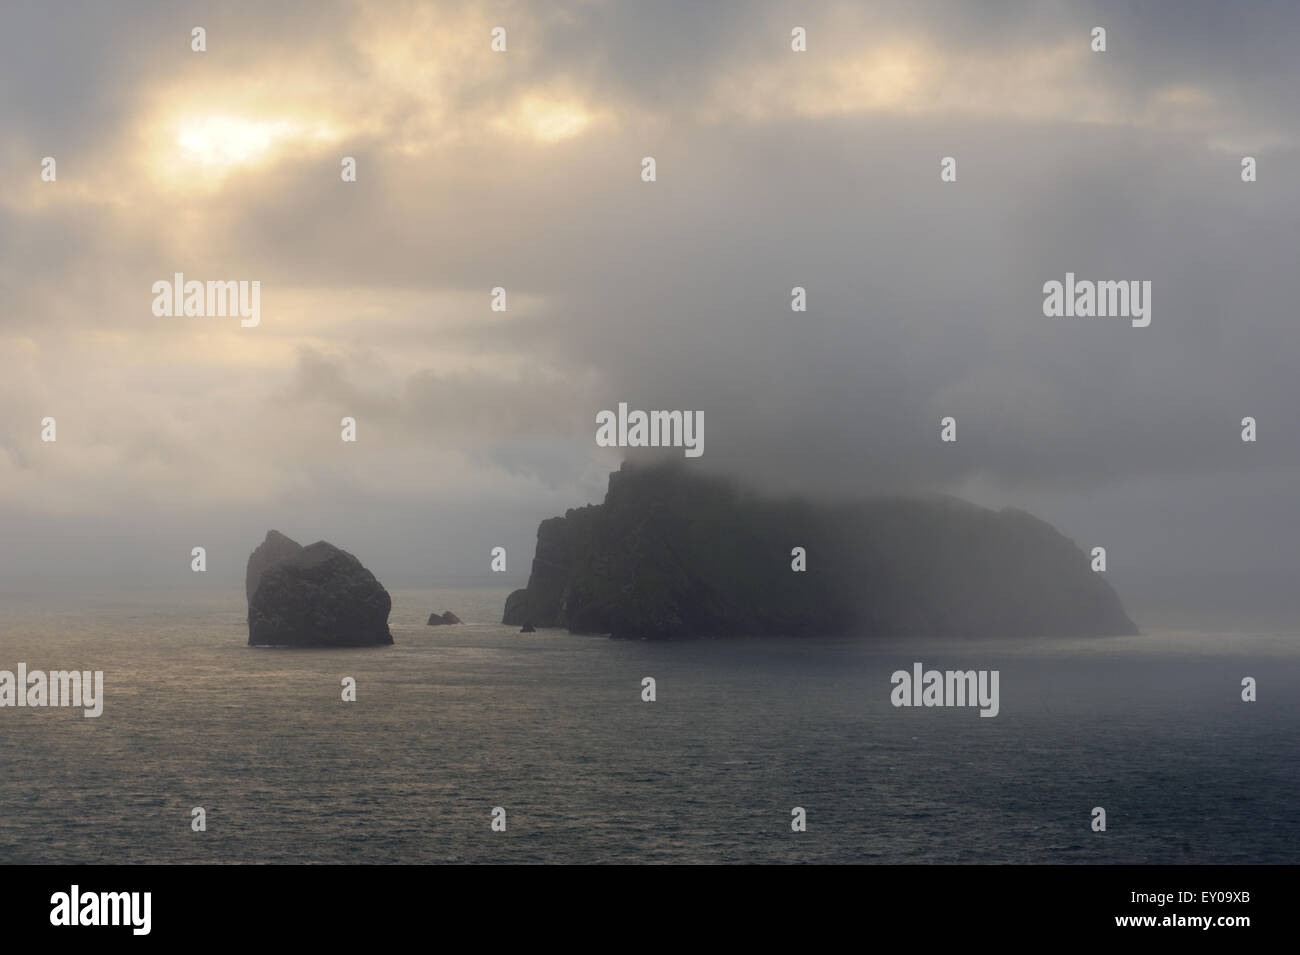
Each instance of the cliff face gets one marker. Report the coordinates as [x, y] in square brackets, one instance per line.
[313, 596]
[671, 554]
[276, 548]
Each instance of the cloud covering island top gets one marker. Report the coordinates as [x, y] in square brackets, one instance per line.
[673, 554]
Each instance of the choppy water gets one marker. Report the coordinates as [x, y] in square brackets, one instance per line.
[451, 722]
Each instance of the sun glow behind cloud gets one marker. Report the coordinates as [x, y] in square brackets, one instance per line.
[195, 142]
[219, 140]
[546, 119]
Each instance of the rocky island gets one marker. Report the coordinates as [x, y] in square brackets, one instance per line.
[673, 554]
[313, 596]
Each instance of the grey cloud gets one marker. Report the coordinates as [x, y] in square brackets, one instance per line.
[924, 299]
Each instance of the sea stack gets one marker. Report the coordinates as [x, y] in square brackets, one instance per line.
[313, 596]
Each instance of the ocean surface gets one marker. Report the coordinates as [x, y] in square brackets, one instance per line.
[454, 721]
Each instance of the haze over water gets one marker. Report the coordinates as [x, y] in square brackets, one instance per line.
[452, 721]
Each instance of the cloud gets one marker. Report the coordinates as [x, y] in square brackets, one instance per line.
[521, 170]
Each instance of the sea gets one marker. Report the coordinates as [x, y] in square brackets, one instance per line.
[549, 734]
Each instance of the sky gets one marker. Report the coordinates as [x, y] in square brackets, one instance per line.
[522, 170]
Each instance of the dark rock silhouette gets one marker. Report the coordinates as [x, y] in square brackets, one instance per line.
[446, 617]
[673, 554]
[313, 596]
[514, 612]
[527, 628]
[273, 550]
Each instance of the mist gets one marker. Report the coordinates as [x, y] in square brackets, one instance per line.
[774, 170]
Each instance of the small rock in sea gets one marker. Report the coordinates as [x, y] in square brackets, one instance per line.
[528, 628]
[439, 619]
